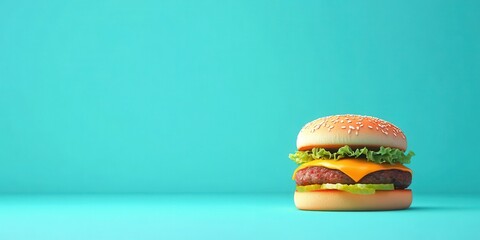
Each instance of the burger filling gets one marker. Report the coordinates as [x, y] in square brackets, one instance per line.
[360, 171]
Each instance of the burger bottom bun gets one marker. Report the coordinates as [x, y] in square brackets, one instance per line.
[335, 200]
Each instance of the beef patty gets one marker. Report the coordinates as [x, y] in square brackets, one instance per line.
[320, 175]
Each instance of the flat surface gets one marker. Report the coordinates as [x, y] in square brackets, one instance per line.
[223, 216]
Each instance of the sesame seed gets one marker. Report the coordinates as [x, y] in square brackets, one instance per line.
[341, 121]
[377, 128]
[331, 127]
[370, 127]
[356, 133]
[349, 131]
[349, 121]
[394, 134]
[343, 127]
[351, 127]
[358, 128]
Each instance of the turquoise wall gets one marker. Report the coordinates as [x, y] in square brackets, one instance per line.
[208, 96]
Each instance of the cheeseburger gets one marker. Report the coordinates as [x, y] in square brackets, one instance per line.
[352, 162]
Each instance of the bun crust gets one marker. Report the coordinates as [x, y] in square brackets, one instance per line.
[334, 200]
[353, 130]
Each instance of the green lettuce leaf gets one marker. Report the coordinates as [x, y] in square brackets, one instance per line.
[351, 188]
[384, 155]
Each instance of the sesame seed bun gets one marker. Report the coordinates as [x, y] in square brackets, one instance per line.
[334, 200]
[353, 130]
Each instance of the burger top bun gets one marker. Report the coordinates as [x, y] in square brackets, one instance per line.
[353, 130]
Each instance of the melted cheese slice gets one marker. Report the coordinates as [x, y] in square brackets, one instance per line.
[354, 168]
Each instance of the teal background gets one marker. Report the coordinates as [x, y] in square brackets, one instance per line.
[174, 119]
[208, 96]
